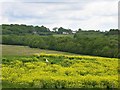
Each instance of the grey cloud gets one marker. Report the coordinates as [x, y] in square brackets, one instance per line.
[81, 13]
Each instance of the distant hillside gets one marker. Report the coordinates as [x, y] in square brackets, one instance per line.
[42, 30]
[91, 42]
[24, 29]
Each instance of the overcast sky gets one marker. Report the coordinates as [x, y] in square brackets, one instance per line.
[73, 14]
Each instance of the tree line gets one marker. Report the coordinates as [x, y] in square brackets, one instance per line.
[42, 30]
[83, 42]
[101, 45]
[30, 29]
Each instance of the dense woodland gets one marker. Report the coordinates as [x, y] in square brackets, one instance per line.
[91, 42]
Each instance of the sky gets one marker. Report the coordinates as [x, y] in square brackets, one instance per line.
[73, 14]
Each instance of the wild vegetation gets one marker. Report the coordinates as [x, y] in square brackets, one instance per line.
[68, 66]
[62, 71]
[82, 42]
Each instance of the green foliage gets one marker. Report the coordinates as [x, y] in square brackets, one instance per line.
[99, 45]
[84, 42]
[61, 30]
[24, 29]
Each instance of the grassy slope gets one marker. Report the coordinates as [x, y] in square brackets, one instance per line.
[13, 50]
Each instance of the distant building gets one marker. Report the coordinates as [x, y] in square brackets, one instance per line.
[74, 32]
[34, 32]
[65, 33]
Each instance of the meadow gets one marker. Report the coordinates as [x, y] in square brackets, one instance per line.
[15, 50]
[64, 70]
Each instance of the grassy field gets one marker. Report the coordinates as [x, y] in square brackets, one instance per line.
[13, 50]
[63, 70]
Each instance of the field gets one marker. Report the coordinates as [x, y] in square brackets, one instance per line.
[13, 50]
[63, 70]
